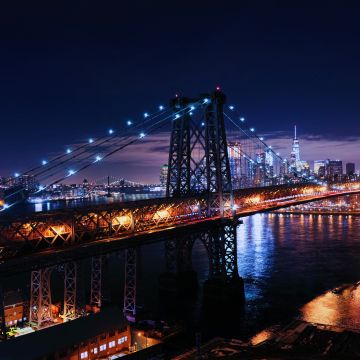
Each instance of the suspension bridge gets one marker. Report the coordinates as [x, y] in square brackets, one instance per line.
[204, 185]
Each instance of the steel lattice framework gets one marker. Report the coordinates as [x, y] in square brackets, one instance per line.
[221, 245]
[198, 157]
[40, 299]
[178, 252]
[70, 278]
[130, 283]
[96, 280]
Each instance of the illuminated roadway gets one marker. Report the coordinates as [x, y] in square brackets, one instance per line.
[53, 255]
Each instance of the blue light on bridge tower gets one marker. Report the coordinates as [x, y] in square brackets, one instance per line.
[91, 141]
[68, 151]
[129, 122]
[161, 107]
[44, 162]
[146, 115]
[111, 131]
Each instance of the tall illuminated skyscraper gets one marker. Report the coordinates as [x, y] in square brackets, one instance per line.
[295, 153]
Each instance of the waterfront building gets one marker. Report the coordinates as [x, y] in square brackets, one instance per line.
[96, 336]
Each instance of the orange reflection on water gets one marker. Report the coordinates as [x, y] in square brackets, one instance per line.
[340, 307]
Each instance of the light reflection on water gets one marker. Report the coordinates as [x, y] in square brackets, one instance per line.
[340, 307]
[287, 260]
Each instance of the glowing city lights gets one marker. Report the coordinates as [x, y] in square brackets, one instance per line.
[71, 172]
[16, 175]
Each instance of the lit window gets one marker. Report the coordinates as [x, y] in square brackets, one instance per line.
[125, 338]
[103, 347]
[111, 344]
[95, 350]
[84, 355]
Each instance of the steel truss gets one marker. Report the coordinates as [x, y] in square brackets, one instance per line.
[130, 283]
[96, 280]
[40, 297]
[80, 225]
[70, 277]
[178, 254]
[222, 251]
[198, 157]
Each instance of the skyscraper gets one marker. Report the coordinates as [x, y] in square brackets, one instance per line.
[350, 169]
[295, 153]
[319, 168]
[234, 153]
[334, 169]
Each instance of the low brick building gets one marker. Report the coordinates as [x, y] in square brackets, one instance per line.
[87, 338]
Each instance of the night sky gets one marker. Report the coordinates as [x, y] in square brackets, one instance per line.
[71, 70]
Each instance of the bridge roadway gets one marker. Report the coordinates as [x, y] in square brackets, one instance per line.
[56, 237]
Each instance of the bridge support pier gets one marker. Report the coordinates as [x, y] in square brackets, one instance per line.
[96, 281]
[70, 279]
[130, 284]
[224, 286]
[40, 297]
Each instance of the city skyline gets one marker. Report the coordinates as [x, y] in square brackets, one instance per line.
[146, 168]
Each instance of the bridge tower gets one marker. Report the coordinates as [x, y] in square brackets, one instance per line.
[198, 157]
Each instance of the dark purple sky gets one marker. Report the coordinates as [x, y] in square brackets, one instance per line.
[70, 70]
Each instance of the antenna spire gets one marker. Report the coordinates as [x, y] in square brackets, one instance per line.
[295, 132]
